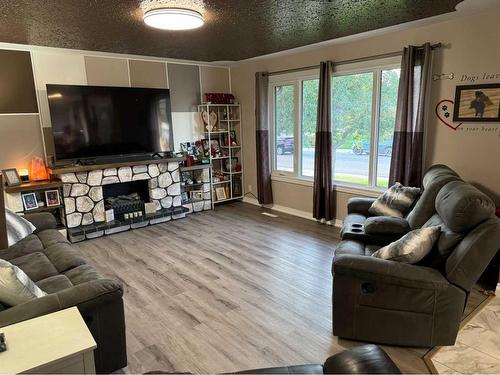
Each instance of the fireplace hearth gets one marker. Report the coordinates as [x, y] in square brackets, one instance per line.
[88, 193]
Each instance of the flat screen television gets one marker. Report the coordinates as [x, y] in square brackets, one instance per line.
[92, 122]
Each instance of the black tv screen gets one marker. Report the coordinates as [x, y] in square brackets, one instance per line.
[89, 122]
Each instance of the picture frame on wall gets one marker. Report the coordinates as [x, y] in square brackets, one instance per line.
[52, 198]
[29, 201]
[11, 177]
[477, 103]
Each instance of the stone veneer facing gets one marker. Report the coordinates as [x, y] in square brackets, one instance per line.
[83, 193]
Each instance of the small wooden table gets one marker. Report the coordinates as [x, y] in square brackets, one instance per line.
[55, 343]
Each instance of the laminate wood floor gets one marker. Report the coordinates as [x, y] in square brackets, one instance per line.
[228, 290]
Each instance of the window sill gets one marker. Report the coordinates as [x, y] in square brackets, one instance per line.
[343, 188]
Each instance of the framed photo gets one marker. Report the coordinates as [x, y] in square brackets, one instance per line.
[220, 193]
[230, 164]
[187, 147]
[196, 195]
[29, 201]
[206, 146]
[231, 140]
[11, 177]
[477, 103]
[52, 198]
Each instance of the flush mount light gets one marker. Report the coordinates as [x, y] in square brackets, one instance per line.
[173, 19]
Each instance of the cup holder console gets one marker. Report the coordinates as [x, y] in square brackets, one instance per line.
[357, 226]
[356, 230]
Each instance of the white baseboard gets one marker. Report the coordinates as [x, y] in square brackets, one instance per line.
[290, 211]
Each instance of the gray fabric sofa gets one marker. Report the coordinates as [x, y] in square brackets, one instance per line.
[360, 225]
[59, 269]
[421, 305]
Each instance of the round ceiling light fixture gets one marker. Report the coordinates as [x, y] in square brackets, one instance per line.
[173, 19]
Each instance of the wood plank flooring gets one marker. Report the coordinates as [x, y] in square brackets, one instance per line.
[228, 290]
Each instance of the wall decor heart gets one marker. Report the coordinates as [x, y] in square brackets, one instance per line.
[443, 113]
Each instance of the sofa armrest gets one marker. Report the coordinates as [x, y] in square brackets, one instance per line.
[386, 225]
[389, 272]
[86, 295]
[30, 309]
[90, 294]
[364, 359]
[42, 220]
[359, 205]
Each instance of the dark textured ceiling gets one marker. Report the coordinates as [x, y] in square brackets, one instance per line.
[235, 29]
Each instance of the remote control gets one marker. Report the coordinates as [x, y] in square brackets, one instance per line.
[3, 343]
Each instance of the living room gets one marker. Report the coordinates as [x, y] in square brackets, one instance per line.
[216, 187]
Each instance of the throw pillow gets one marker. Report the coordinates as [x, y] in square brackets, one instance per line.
[396, 201]
[17, 227]
[15, 286]
[412, 247]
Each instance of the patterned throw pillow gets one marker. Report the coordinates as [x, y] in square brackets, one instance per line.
[15, 286]
[17, 227]
[396, 201]
[412, 247]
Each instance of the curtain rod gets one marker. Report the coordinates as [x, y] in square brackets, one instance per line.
[351, 61]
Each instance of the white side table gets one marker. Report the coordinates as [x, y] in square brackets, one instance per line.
[55, 343]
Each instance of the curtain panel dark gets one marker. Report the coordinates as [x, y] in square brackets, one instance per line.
[408, 143]
[264, 187]
[324, 202]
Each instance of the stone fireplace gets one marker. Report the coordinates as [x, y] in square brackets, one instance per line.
[84, 195]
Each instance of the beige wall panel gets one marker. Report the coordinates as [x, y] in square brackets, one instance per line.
[471, 152]
[20, 140]
[214, 79]
[56, 68]
[187, 127]
[184, 84]
[294, 196]
[17, 86]
[150, 74]
[104, 71]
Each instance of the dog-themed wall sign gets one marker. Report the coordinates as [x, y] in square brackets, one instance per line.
[477, 103]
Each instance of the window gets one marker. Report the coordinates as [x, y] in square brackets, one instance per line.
[364, 98]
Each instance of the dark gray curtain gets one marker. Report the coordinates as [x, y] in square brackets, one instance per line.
[324, 204]
[408, 144]
[264, 188]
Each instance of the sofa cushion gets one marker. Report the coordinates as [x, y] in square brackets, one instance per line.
[51, 237]
[396, 201]
[412, 247]
[17, 227]
[447, 239]
[27, 245]
[35, 265]
[64, 256]
[462, 206]
[434, 179]
[54, 284]
[15, 286]
[386, 225]
[82, 274]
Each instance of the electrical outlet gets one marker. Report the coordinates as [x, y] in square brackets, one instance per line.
[249, 188]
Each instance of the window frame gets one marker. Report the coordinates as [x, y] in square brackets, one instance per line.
[291, 79]
[296, 79]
